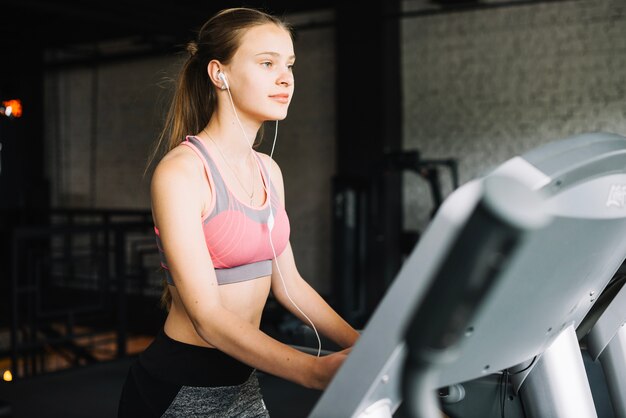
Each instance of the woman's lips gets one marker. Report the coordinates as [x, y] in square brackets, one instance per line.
[281, 98]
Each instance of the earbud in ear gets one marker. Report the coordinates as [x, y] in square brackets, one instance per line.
[222, 77]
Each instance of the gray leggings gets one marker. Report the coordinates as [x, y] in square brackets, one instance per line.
[242, 401]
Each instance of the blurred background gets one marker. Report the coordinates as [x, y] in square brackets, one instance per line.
[396, 104]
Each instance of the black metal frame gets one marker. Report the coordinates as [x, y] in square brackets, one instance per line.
[48, 276]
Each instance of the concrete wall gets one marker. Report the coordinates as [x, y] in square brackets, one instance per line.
[103, 139]
[484, 86]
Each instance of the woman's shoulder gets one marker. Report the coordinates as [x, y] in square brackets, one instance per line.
[269, 163]
[180, 164]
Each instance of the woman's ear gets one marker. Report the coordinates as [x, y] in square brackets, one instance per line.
[218, 78]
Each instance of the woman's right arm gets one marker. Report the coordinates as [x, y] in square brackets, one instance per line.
[177, 209]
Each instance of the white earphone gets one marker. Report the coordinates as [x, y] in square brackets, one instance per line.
[270, 226]
[222, 77]
[270, 218]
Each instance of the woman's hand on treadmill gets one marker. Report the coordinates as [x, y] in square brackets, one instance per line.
[326, 367]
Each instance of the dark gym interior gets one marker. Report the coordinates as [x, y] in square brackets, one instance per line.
[397, 104]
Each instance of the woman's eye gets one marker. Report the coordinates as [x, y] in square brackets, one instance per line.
[266, 64]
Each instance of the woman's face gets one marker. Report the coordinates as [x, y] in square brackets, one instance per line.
[260, 74]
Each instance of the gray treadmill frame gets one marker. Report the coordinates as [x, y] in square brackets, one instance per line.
[606, 342]
[535, 302]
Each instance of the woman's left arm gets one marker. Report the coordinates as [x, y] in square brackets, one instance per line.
[326, 320]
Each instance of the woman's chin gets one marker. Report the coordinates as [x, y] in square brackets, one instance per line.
[278, 116]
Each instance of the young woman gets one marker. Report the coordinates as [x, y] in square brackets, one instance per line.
[223, 233]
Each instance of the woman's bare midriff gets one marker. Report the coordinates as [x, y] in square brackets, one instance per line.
[244, 299]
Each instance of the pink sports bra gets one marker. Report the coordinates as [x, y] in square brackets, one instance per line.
[236, 234]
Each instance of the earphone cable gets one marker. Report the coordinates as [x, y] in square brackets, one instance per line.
[232, 103]
[319, 342]
[271, 220]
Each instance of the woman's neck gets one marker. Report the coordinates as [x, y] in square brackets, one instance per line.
[226, 133]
